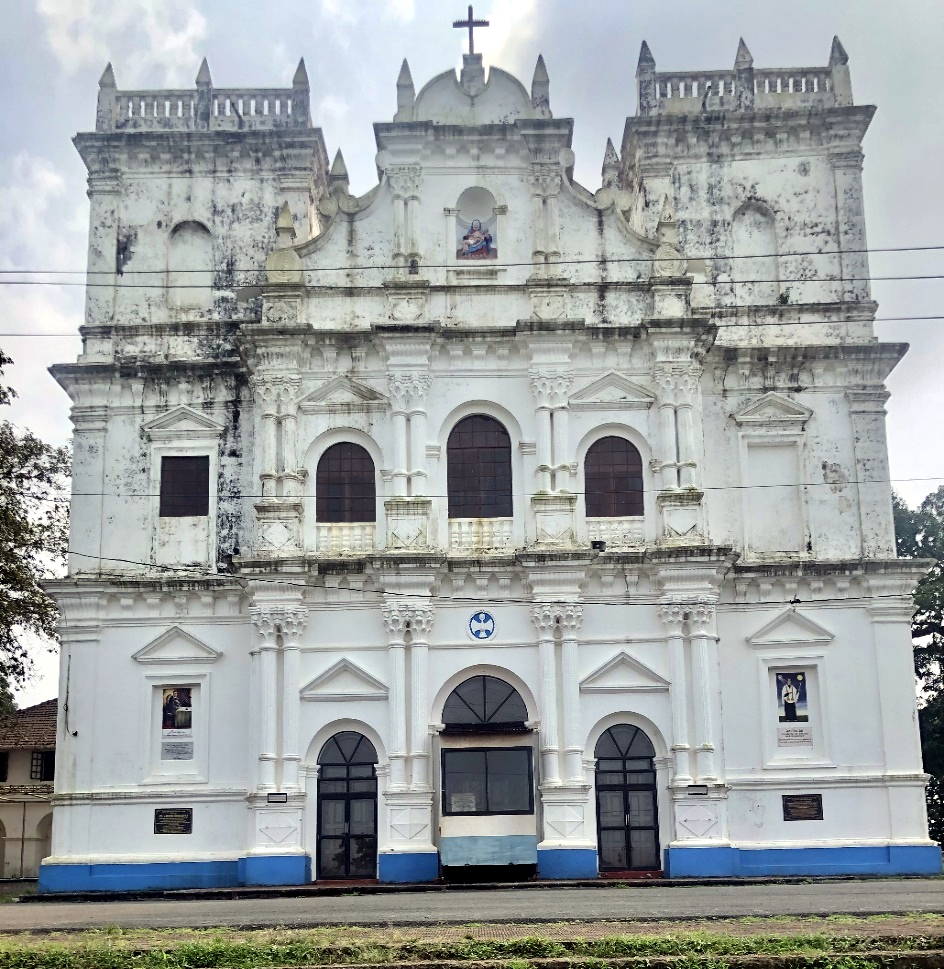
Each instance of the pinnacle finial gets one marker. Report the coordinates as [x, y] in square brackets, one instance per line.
[301, 75]
[837, 54]
[203, 75]
[646, 61]
[610, 156]
[108, 77]
[405, 77]
[285, 222]
[743, 59]
[406, 94]
[541, 88]
[668, 210]
[338, 168]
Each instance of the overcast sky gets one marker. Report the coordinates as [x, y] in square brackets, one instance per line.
[52, 53]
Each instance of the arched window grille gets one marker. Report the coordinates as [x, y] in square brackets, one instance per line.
[478, 456]
[345, 485]
[613, 479]
[484, 704]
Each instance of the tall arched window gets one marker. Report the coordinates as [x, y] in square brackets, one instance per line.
[755, 269]
[613, 479]
[345, 485]
[190, 266]
[478, 456]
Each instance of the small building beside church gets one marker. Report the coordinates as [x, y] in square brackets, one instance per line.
[486, 524]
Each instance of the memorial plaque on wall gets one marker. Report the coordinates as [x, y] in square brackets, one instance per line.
[173, 820]
[803, 807]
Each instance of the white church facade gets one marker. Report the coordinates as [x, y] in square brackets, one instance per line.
[483, 524]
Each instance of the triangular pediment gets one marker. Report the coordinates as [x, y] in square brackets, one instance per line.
[182, 422]
[344, 681]
[790, 628]
[342, 391]
[612, 391]
[176, 647]
[774, 408]
[623, 674]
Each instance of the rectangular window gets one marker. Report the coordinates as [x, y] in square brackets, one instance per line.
[4, 765]
[488, 780]
[42, 765]
[774, 499]
[185, 487]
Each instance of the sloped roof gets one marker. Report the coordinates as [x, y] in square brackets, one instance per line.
[33, 727]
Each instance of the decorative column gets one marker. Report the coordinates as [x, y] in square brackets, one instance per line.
[672, 615]
[539, 231]
[408, 512]
[544, 617]
[553, 504]
[421, 624]
[420, 382]
[395, 619]
[687, 382]
[571, 617]
[846, 162]
[551, 187]
[294, 621]
[405, 182]
[704, 683]
[545, 186]
[267, 700]
[867, 411]
[104, 192]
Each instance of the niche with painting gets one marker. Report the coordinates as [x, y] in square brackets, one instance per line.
[476, 225]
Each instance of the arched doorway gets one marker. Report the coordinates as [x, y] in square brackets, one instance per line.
[627, 813]
[347, 808]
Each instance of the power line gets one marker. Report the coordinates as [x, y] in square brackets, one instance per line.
[517, 494]
[530, 263]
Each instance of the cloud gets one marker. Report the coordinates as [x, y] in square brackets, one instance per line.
[332, 107]
[402, 10]
[155, 37]
[511, 28]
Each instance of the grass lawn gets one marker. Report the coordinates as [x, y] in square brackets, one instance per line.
[840, 942]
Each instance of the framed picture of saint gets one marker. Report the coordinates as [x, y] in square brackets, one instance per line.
[793, 717]
[177, 723]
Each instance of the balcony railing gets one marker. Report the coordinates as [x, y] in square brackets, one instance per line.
[479, 534]
[617, 532]
[344, 538]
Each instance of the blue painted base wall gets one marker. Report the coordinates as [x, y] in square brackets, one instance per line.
[567, 863]
[130, 878]
[275, 870]
[850, 860]
[415, 866]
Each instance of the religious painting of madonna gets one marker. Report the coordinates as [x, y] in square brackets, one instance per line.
[476, 225]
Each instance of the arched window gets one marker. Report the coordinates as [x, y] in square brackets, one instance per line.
[190, 267]
[345, 486]
[478, 456]
[755, 269]
[613, 479]
[484, 704]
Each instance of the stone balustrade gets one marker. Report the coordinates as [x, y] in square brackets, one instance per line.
[617, 532]
[468, 534]
[344, 538]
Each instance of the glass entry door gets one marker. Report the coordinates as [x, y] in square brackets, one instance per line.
[347, 808]
[627, 813]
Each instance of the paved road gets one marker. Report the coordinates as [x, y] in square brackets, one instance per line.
[553, 904]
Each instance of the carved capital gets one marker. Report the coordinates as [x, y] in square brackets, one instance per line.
[551, 388]
[546, 616]
[571, 616]
[408, 389]
[266, 623]
[293, 622]
[701, 614]
[405, 180]
[400, 616]
[273, 392]
[672, 615]
[678, 382]
[394, 618]
[545, 180]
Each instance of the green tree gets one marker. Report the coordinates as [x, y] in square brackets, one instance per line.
[920, 534]
[34, 522]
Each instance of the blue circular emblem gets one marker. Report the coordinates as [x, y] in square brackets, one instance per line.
[482, 625]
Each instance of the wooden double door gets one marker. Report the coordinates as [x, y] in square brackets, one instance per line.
[627, 809]
[347, 808]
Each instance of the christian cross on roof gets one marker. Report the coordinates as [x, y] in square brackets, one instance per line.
[471, 23]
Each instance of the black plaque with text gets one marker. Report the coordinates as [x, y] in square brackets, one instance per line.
[803, 807]
[173, 821]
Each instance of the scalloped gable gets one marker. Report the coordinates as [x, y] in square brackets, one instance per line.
[345, 681]
[790, 628]
[612, 391]
[623, 674]
[341, 391]
[774, 408]
[503, 100]
[182, 421]
[174, 647]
